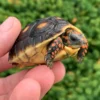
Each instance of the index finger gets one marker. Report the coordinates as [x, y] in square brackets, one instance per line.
[9, 31]
[4, 64]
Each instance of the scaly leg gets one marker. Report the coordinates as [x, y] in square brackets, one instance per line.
[53, 48]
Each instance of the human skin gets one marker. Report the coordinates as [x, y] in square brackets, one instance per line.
[30, 84]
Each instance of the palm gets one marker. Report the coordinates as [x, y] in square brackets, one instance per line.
[28, 84]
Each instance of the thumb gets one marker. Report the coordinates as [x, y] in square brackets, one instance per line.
[9, 31]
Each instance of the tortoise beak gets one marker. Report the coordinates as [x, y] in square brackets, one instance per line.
[77, 40]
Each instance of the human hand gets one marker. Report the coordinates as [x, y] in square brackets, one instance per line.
[28, 84]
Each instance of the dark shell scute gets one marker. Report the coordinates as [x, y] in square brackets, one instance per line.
[24, 35]
[38, 32]
[63, 22]
[19, 46]
[53, 27]
[27, 42]
[37, 40]
[35, 35]
[12, 51]
[16, 48]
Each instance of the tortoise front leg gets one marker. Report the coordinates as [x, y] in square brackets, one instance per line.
[53, 48]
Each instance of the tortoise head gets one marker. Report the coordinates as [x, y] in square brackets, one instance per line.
[74, 38]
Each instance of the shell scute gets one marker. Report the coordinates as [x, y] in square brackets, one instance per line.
[32, 43]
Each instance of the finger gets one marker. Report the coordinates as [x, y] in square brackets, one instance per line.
[4, 64]
[59, 71]
[44, 76]
[27, 89]
[9, 31]
[7, 84]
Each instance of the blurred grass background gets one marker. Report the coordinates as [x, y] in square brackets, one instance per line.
[82, 80]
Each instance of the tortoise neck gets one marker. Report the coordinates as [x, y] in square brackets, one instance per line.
[64, 38]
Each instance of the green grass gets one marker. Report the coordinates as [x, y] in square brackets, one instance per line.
[82, 80]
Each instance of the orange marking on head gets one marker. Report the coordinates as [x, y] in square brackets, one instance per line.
[26, 28]
[77, 32]
[69, 30]
[65, 37]
[73, 31]
[42, 25]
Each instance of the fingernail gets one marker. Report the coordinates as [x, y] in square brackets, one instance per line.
[7, 24]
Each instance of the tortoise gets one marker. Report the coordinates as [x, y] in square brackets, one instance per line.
[47, 40]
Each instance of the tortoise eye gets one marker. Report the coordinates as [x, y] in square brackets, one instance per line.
[73, 38]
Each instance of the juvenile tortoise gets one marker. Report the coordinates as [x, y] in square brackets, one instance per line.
[47, 40]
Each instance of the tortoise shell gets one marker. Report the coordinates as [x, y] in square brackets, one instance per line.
[31, 45]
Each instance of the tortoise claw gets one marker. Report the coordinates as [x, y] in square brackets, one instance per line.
[49, 63]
